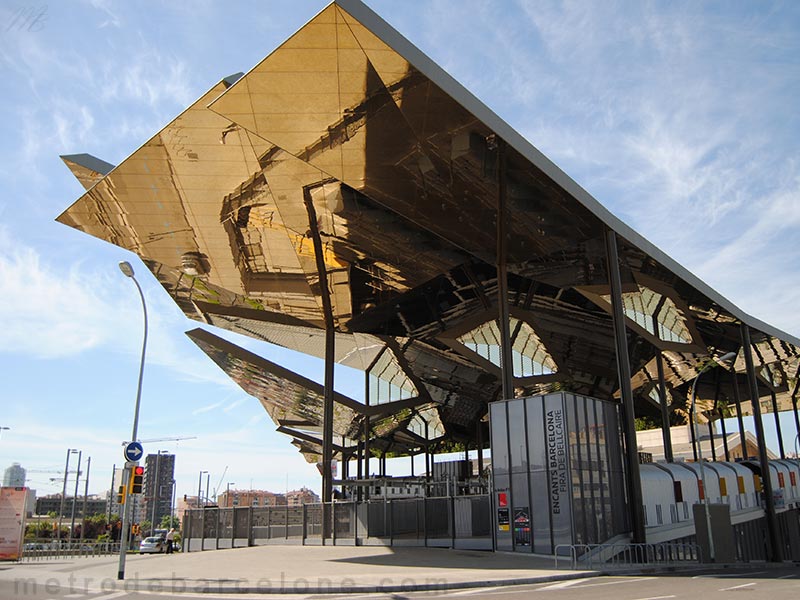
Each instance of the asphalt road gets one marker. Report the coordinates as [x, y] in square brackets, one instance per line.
[772, 583]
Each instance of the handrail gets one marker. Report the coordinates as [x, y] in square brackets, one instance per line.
[590, 556]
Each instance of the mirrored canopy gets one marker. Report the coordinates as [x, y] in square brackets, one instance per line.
[348, 131]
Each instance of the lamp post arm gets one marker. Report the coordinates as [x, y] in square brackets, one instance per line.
[134, 434]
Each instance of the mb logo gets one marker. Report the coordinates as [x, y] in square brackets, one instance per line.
[27, 18]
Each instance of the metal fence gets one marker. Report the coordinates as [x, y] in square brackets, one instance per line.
[449, 522]
[593, 556]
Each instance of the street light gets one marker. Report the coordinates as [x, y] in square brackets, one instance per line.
[725, 360]
[127, 270]
[228, 493]
[2, 429]
[200, 489]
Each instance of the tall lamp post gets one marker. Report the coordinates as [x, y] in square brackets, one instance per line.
[75, 495]
[2, 429]
[127, 270]
[64, 492]
[725, 359]
[228, 493]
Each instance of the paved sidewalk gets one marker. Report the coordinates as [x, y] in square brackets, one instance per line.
[292, 570]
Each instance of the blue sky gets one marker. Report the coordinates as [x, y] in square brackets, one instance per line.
[680, 117]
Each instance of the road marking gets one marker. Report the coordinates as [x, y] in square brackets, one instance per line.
[787, 576]
[74, 596]
[737, 587]
[472, 592]
[656, 597]
[563, 584]
[631, 580]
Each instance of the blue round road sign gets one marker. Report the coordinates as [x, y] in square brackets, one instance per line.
[133, 451]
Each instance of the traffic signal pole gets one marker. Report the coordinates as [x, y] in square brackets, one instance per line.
[123, 535]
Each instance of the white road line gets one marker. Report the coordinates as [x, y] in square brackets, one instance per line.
[562, 584]
[736, 587]
[741, 574]
[474, 591]
[632, 580]
[787, 576]
[656, 597]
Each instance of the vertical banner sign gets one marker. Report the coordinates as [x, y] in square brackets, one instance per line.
[503, 518]
[522, 527]
[558, 470]
[12, 521]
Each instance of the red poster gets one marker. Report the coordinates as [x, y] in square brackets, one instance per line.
[502, 499]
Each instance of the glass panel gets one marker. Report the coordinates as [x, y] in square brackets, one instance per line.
[528, 354]
[516, 435]
[499, 425]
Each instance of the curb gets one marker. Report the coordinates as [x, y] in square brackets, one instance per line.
[199, 587]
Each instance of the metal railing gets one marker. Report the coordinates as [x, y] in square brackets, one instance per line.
[45, 549]
[594, 556]
[453, 521]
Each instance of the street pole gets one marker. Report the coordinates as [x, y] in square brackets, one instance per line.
[172, 506]
[75, 497]
[63, 493]
[200, 488]
[111, 496]
[85, 498]
[2, 429]
[127, 270]
[228, 493]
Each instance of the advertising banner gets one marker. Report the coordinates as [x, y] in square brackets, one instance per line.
[12, 521]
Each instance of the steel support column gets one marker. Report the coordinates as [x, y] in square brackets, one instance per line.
[773, 542]
[776, 415]
[624, 372]
[502, 273]
[330, 341]
[666, 434]
[737, 399]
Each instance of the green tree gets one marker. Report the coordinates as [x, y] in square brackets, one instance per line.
[168, 522]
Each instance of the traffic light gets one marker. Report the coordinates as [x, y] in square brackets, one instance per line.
[136, 480]
[121, 495]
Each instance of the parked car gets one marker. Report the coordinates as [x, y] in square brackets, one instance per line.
[152, 545]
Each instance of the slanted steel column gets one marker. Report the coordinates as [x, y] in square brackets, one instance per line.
[738, 401]
[794, 402]
[494, 142]
[666, 434]
[330, 341]
[724, 437]
[711, 418]
[778, 429]
[624, 373]
[773, 542]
